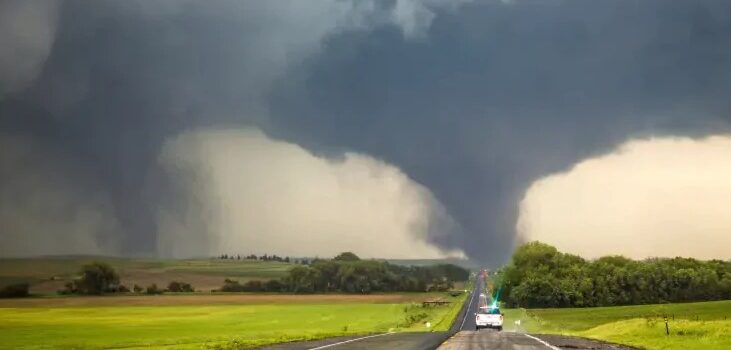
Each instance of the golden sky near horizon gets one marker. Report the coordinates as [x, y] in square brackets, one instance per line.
[652, 197]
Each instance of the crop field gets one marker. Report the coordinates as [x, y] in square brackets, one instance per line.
[705, 325]
[186, 326]
[47, 275]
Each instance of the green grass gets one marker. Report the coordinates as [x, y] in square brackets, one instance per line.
[704, 325]
[649, 334]
[183, 327]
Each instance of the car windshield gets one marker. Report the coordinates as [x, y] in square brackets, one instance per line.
[490, 311]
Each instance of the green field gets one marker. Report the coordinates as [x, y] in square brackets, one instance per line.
[47, 275]
[704, 325]
[210, 326]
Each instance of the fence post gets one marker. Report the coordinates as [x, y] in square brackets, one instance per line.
[667, 328]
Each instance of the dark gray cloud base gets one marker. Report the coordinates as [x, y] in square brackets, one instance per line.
[492, 96]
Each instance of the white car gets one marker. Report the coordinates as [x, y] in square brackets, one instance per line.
[487, 317]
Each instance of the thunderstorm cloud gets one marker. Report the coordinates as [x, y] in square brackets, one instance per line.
[661, 197]
[147, 127]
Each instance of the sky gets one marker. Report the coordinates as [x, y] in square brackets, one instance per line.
[181, 128]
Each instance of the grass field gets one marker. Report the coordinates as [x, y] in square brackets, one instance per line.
[47, 275]
[704, 325]
[184, 326]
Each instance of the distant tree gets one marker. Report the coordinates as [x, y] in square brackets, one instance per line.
[286, 259]
[137, 289]
[253, 286]
[180, 287]
[232, 286]
[18, 290]
[97, 278]
[122, 289]
[274, 286]
[69, 288]
[153, 289]
[346, 256]
[238, 257]
[302, 279]
[367, 276]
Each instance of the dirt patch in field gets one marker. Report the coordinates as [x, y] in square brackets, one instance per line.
[212, 299]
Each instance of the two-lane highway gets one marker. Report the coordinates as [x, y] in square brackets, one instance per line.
[461, 336]
[396, 341]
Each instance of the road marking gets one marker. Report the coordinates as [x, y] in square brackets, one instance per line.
[467, 311]
[350, 341]
[542, 342]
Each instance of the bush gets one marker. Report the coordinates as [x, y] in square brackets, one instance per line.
[18, 290]
[153, 290]
[122, 289]
[455, 293]
[180, 287]
[137, 288]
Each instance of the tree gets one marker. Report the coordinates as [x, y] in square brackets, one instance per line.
[346, 256]
[18, 290]
[153, 290]
[541, 276]
[302, 279]
[274, 286]
[367, 276]
[97, 278]
[232, 286]
[180, 287]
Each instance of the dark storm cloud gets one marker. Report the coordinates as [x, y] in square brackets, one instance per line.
[489, 97]
[503, 93]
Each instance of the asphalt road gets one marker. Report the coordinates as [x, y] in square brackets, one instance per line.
[394, 341]
[461, 336]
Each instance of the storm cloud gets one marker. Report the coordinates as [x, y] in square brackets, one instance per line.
[277, 197]
[473, 101]
[657, 197]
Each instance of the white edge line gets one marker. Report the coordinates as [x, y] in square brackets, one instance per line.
[350, 341]
[467, 311]
[541, 341]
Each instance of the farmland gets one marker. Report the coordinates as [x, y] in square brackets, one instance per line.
[200, 319]
[247, 320]
[47, 275]
[704, 325]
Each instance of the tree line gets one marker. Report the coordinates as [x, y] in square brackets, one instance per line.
[346, 273]
[99, 278]
[265, 257]
[538, 275]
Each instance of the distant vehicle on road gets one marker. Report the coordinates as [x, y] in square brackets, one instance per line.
[487, 317]
[482, 301]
